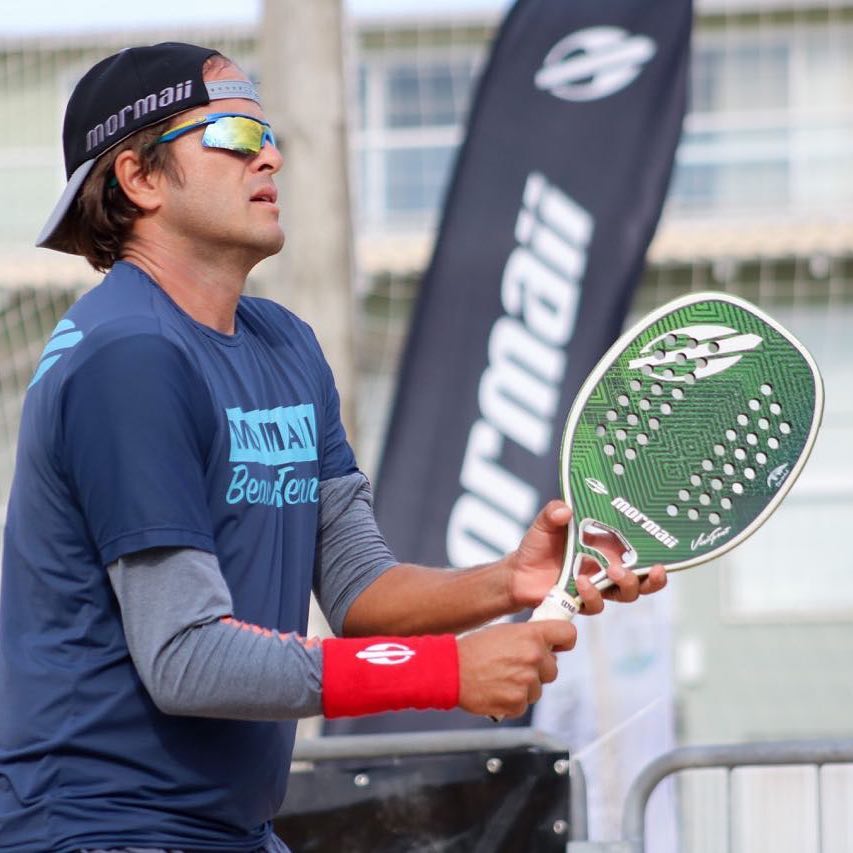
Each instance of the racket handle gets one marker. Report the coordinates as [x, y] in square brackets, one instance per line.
[557, 604]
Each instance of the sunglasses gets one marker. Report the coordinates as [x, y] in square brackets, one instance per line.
[231, 131]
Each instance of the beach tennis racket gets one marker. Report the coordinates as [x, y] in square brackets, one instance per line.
[684, 438]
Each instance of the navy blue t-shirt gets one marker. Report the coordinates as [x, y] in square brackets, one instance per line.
[143, 428]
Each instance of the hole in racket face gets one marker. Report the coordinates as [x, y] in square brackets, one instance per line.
[607, 542]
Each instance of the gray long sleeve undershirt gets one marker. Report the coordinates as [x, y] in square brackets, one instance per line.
[194, 660]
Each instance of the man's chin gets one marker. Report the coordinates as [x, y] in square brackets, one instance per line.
[270, 244]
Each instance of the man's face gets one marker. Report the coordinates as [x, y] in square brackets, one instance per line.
[226, 200]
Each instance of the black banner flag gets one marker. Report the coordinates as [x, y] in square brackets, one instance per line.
[556, 194]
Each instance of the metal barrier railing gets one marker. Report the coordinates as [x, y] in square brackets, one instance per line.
[815, 753]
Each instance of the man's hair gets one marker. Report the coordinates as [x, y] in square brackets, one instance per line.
[103, 214]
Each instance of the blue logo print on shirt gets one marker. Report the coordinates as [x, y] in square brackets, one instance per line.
[279, 439]
[63, 337]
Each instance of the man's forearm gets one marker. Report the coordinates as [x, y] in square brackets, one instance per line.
[410, 599]
[194, 657]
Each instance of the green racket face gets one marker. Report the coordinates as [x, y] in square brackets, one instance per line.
[691, 430]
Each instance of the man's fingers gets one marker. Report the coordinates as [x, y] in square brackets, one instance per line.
[534, 694]
[548, 669]
[593, 602]
[631, 586]
[554, 516]
[627, 586]
[557, 634]
[627, 583]
[502, 668]
[654, 581]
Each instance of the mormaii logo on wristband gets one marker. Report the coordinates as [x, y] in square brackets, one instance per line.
[386, 654]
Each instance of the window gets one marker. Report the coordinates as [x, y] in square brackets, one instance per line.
[768, 127]
[411, 120]
[416, 178]
[427, 94]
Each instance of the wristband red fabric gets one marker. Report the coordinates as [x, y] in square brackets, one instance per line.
[370, 675]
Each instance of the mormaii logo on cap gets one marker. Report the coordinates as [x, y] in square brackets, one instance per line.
[112, 124]
[386, 654]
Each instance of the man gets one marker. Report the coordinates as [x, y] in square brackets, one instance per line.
[183, 481]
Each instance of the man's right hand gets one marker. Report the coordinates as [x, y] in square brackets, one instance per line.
[502, 668]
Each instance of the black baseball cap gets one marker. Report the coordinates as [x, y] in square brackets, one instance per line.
[122, 94]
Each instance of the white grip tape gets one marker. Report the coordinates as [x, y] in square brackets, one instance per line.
[558, 604]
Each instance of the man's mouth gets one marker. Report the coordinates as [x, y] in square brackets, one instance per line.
[267, 194]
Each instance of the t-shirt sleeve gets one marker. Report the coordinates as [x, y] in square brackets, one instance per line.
[338, 459]
[136, 424]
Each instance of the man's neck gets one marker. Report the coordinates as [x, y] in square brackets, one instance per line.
[207, 285]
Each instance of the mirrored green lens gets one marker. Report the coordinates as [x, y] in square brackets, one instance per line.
[235, 133]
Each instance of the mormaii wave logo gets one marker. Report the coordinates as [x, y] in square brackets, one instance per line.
[705, 350]
[386, 654]
[593, 63]
[596, 486]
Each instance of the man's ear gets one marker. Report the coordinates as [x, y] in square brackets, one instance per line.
[143, 189]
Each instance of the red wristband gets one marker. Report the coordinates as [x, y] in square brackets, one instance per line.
[369, 675]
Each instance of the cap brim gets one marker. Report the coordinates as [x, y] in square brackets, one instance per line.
[50, 236]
